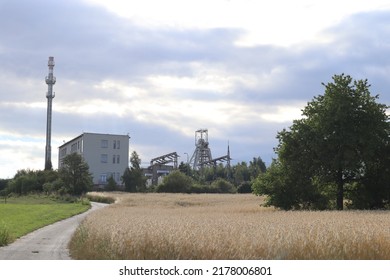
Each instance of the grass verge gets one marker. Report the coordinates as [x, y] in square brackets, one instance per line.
[22, 215]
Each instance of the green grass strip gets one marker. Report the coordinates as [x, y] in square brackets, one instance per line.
[20, 219]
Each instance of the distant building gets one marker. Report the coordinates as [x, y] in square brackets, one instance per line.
[155, 173]
[106, 154]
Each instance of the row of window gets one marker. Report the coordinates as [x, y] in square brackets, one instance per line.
[116, 144]
[115, 158]
[105, 176]
[75, 147]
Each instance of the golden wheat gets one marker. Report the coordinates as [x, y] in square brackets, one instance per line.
[226, 226]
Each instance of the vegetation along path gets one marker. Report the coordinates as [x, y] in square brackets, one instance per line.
[47, 243]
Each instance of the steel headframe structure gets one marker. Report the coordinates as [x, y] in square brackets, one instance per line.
[202, 151]
[202, 154]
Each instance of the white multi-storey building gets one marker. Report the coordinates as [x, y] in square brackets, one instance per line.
[106, 154]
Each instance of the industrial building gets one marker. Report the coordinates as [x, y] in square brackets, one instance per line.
[107, 155]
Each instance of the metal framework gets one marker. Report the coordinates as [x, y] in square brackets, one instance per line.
[50, 81]
[172, 157]
[158, 166]
[202, 154]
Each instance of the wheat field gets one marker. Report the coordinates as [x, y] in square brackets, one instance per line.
[226, 226]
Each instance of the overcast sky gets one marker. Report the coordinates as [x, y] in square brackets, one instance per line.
[160, 70]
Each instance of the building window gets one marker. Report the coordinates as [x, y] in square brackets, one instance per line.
[73, 148]
[104, 144]
[103, 178]
[103, 158]
[117, 159]
[113, 159]
[117, 144]
[63, 152]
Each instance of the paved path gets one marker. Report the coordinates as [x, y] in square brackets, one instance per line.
[47, 243]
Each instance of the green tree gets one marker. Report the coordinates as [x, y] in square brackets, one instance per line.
[3, 183]
[286, 189]
[241, 173]
[24, 181]
[176, 182]
[335, 145]
[185, 168]
[75, 175]
[256, 166]
[133, 177]
[111, 184]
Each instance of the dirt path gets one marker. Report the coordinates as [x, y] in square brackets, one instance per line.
[47, 243]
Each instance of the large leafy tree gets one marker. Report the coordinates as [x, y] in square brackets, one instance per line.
[340, 142]
[75, 175]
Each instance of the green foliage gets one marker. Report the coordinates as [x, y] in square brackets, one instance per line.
[100, 198]
[273, 184]
[111, 184]
[342, 140]
[185, 168]
[176, 182]
[245, 187]
[287, 191]
[223, 186]
[135, 160]
[241, 173]
[5, 236]
[133, 178]
[3, 184]
[27, 181]
[237, 174]
[75, 175]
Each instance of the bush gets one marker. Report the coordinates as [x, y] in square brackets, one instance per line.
[245, 187]
[199, 188]
[223, 186]
[100, 198]
[176, 182]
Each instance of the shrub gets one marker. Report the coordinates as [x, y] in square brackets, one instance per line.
[100, 198]
[223, 186]
[176, 182]
[245, 187]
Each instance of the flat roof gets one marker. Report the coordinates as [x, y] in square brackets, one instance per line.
[81, 135]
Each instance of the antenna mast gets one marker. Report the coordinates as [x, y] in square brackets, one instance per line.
[50, 81]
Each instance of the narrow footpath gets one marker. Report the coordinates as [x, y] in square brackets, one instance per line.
[47, 243]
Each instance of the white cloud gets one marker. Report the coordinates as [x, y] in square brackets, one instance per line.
[277, 22]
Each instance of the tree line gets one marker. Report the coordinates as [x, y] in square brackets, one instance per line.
[73, 178]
